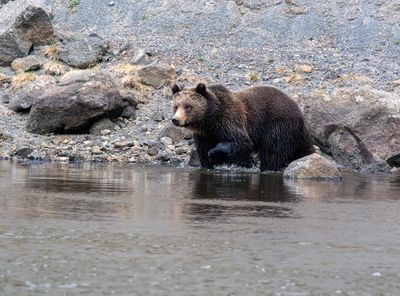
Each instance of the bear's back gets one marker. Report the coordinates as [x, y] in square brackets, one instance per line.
[270, 101]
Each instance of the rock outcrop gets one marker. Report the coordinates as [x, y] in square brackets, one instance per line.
[74, 107]
[157, 75]
[28, 63]
[23, 25]
[21, 100]
[83, 52]
[313, 166]
[357, 127]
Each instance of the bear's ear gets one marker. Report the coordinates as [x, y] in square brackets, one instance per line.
[201, 89]
[175, 88]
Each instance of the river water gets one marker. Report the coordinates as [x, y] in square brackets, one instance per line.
[93, 229]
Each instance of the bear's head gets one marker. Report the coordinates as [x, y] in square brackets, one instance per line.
[189, 106]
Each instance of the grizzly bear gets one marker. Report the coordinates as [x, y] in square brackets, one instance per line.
[229, 126]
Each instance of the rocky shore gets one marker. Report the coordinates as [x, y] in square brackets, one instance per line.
[78, 87]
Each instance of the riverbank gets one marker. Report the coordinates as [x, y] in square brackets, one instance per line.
[349, 94]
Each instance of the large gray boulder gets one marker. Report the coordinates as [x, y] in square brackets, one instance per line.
[21, 100]
[74, 107]
[358, 127]
[83, 52]
[23, 25]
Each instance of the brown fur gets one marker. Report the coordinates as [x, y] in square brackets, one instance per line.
[229, 126]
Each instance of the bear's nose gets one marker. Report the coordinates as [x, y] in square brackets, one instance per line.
[175, 121]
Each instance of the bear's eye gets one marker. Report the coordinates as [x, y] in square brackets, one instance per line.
[175, 108]
[188, 108]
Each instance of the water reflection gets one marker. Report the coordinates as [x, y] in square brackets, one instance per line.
[93, 229]
[241, 186]
[99, 191]
[223, 195]
[353, 188]
[222, 213]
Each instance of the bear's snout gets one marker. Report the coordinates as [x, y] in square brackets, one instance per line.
[175, 121]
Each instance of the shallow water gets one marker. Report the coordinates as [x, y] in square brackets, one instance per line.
[86, 229]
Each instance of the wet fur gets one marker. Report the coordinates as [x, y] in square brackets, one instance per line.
[233, 125]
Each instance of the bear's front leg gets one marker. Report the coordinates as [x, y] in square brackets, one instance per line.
[203, 145]
[221, 153]
[229, 152]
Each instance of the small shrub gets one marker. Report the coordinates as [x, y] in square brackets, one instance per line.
[52, 52]
[21, 79]
[254, 76]
[358, 78]
[291, 76]
[294, 78]
[73, 3]
[127, 69]
[133, 81]
[144, 17]
[54, 68]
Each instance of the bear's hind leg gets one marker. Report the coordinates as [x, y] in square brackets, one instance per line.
[279, 145]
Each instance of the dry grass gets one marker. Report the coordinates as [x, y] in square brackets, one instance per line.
[52, 52]
[358, 78]
[131, 79]
[127, 69]
[304, 68]
[188, 76]
[54, 68]
[295, 10]
[291, 76]
[21, 79]
[295, 78]
[253, 77]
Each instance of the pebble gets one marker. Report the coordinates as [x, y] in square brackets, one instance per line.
[166, 141]
[114, 158]
[376, 274]
[171, 147]
[157, 117]
[96, 150]
[276, 81]
[136, 149]
[122, 144]
[304, 69]
[152, 151]
[105, 132]
[163, 156]
[63, 159]
[181, 150]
